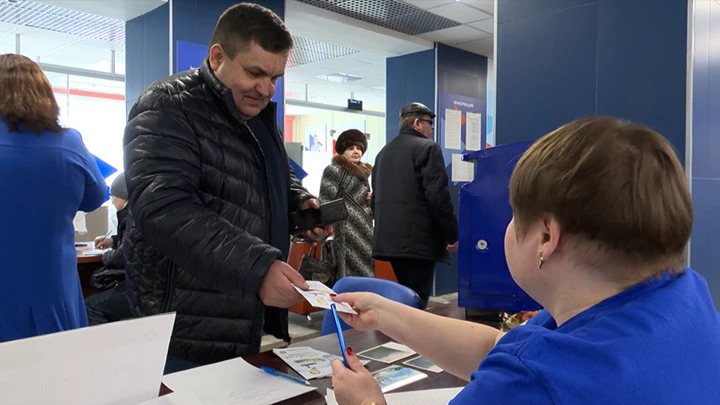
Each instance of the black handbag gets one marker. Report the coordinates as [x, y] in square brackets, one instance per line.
[322, 270]
[104, 278]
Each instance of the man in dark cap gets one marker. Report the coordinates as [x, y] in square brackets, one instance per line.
[414, 221]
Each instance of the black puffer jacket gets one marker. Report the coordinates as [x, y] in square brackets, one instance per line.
[199, 223]
[414, 216]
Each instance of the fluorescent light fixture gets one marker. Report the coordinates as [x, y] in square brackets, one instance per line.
[339, 77]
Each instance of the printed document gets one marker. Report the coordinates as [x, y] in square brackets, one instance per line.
[118, 363]
[234, 382]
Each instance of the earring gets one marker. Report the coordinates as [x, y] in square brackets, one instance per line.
[542, 261]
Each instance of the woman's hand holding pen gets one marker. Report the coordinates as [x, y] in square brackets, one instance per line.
[355, 386]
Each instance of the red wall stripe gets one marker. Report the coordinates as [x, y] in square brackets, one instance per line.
[93, 94]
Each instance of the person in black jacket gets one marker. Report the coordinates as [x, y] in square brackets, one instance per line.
[211, 190]
[415, 225]
[111, 304]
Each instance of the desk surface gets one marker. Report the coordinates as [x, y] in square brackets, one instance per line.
[359, 341]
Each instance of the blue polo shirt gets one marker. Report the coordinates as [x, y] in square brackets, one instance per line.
[655, 343]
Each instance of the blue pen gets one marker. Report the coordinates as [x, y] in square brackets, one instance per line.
[338, 330]
[276, 373]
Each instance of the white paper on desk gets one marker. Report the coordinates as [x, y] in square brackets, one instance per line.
[308, 362]
[92, 252]
[175, 398]
[234, 382]
[318, 295]
[462, 170]
[473, 131]
[440, 396]
[453, 126]
[118, 363]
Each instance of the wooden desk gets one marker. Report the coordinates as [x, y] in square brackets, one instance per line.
[359, 341]
[86, 265]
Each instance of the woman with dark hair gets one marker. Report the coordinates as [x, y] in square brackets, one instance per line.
[46, 176]
[347, 178]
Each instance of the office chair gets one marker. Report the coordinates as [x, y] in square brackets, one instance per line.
[388, 289]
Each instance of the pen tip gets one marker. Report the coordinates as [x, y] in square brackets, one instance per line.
[307, 383]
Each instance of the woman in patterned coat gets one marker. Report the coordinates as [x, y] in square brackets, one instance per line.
[347, 178]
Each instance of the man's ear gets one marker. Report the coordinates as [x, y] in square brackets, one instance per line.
[216, 55]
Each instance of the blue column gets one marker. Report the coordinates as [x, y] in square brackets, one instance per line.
[559, 60]
[705, 165]
[408, 78]
[147, 51]
[462, 78]
[148, 42]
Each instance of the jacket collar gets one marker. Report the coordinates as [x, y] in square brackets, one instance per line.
[225, 94]
[410, 131]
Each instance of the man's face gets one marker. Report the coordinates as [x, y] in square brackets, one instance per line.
[251, 75]
[424, 125]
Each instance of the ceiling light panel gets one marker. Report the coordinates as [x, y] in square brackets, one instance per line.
[58, 19]
[390, 14]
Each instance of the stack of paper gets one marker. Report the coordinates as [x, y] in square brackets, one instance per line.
[234, 382]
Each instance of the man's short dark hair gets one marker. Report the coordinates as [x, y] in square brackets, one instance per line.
[244, 23]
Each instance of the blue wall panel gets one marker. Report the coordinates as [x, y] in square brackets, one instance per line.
[513, 10]
[546, 70]
[704, 254]
[562, 60]
[641, 63]
[409, 78]
[147, 48]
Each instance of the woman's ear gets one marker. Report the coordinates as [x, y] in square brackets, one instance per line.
[550, 233]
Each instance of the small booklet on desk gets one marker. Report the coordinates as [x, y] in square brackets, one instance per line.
[308, 362]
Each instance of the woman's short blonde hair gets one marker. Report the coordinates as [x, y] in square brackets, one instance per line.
[616, 187]
[26, 97]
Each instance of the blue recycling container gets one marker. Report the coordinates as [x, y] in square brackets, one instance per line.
[484, 281]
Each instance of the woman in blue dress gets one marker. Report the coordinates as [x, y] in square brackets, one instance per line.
[46, 176]
[601, 217]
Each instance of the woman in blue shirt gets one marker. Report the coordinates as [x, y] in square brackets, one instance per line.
[46, 176]
[601, 216]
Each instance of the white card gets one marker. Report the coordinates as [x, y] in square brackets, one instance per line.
[423, 364]
[387, 353]
[319, 296]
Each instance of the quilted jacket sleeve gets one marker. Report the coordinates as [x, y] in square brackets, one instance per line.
[298, 194]
[163, 170]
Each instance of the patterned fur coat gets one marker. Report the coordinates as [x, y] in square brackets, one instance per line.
[352, 247]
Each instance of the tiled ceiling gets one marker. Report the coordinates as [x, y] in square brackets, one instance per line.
[308, 51]
[366, 25]
[62, 20]
[391, 14]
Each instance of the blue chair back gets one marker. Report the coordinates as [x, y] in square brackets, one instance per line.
[388, 289]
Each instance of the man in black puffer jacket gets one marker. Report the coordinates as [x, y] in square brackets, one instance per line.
[414, 221]
[210, 192]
